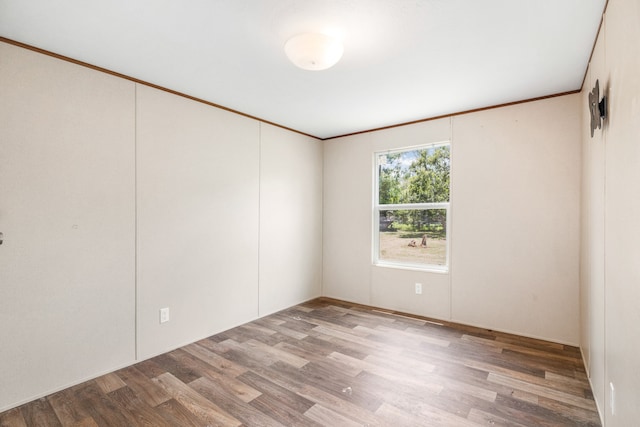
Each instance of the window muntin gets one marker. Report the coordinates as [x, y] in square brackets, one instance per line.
[411, 208]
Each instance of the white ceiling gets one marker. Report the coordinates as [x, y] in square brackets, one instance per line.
[404, 60]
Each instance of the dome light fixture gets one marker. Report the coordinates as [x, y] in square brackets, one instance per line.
[313, 51]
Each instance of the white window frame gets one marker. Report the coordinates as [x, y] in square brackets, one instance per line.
[377, 207]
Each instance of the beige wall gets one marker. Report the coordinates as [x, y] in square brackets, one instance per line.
[514, 221]
[346, 267]
[117, 200]
[67, 211]
[611, 243]
[592, 246]
[197, 215]
[290, 219]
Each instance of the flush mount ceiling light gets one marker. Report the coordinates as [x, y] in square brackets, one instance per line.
[314, 51]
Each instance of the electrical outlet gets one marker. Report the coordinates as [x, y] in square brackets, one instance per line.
[418, 288]
[164, 315]
[612, 398]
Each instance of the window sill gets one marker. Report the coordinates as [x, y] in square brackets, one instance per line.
[425, 269]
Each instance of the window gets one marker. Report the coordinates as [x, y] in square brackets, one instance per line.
[411, 207]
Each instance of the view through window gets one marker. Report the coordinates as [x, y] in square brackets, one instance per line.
[412, 207]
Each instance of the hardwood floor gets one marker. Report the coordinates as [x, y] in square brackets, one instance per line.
[329, 363]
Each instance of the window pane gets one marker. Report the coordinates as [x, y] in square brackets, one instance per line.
[416, 236]
[415, 176]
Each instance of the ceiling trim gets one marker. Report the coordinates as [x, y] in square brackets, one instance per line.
[142, 82]
[475, 110]
[193, 98]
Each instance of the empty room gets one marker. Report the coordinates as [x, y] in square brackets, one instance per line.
[320, 213]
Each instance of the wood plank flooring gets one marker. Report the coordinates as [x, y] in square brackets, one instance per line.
[329, 363]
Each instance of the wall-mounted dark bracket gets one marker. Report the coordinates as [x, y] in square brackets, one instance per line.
[598, 109]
